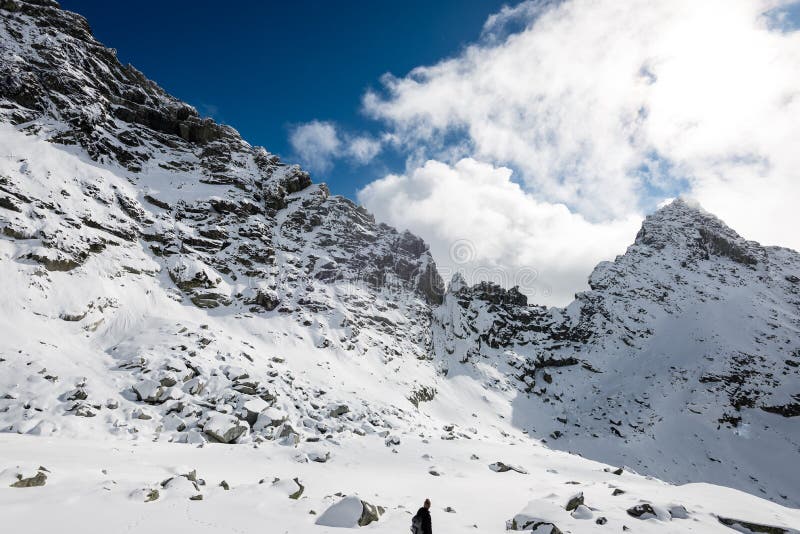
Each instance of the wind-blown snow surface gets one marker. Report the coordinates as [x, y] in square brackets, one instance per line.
[167, 287]
[101, 486]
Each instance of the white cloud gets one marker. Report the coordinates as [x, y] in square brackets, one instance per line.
[500, 24]
[479, 222]
[606, 107]
[363, 149]
[593, 91]
[316, 143]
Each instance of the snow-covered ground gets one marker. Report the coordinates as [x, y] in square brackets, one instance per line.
[101, 486]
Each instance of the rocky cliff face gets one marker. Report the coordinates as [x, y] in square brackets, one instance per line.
[52, 66]
[164, 279]
[217, 210]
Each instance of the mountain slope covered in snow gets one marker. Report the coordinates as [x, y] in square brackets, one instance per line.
[683, 360]
[165, 281]
[125, 215]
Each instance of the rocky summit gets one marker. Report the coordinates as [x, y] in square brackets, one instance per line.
[163, 280]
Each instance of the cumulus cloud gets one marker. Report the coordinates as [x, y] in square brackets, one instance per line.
[603, 109]
[363, 149]
[318, 144]
[482, 224]
[607, 106]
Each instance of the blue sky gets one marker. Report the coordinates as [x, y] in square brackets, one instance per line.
[263, 67]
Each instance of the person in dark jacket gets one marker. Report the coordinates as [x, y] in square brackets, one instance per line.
[425, 515]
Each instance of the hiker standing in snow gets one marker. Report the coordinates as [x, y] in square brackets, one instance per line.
[421, 524]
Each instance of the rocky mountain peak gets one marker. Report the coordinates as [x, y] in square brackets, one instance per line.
[457, 284]
[486, 291]
[52, 66]
[685, 227]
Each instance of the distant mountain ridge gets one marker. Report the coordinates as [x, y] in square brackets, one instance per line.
[166, 279]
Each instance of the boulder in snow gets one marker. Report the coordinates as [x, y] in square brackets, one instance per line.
[535, 526]
[38, 479]
[500, 467]
[225, 428]
[537, 517]
[291, 488]
[392, 441]
[253, 408]
[350, 512]
[319, 456]
[678, 511]
[574, 501]
[338, 411]
[180, 486]
[642, 511]
[149, 391]
[746, 526]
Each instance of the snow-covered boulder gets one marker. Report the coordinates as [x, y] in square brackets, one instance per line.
[204, 285]
[338, 410]
[392, 441]
[535, 525]
[270, 417]
[189, 273]
[747, 526]
[193, 386]
[253, 408]
[225, 428]
[149, 391]
[234, 372]
[180, 486]
[319, 455]
[288, 435]
[173, 422]
[500, 467]
[574, 501]
[647, 510]
[678, 511]
[539, 517]
[293, 489]
[350, 512]
[642, 511]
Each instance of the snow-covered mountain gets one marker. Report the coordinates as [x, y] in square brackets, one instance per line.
[149, 210]
[683, 360]
[163, 280]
